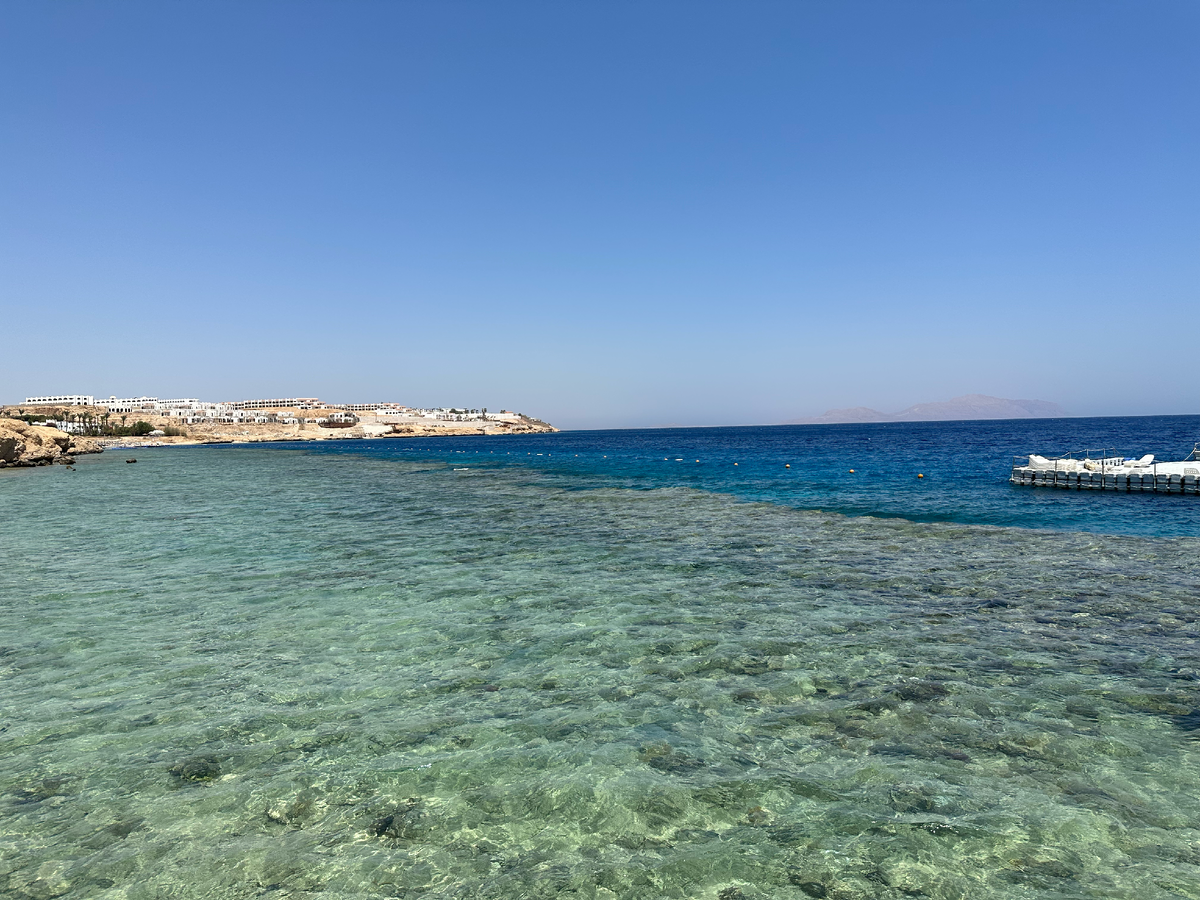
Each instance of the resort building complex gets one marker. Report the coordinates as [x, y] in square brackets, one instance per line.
[286, 410]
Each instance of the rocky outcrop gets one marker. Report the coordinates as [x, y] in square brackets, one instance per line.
[426, 428]
[22, 444]
[85, 445]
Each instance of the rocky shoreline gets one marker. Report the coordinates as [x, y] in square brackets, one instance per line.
[23, 445]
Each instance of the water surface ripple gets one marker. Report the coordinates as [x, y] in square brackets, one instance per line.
[260, 672]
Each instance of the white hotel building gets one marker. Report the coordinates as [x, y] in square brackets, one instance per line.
[284, 403]
[61, 400]
[130, 404]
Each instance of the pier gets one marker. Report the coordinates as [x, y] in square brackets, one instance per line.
[1102, 470]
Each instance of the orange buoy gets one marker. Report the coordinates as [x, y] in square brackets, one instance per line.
[851, 471]
[787, 465]
[919, 475]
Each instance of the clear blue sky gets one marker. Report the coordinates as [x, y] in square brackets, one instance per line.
[605, 214]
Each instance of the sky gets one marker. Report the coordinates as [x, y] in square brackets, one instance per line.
[613, 214]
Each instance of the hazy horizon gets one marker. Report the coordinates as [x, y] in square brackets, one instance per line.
[603, 216]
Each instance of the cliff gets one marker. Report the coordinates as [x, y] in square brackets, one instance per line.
[22, 444]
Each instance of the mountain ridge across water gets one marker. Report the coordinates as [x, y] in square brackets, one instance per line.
[966, 407]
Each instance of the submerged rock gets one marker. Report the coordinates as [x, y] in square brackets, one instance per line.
[921, 691]
[666, 758]
[756, 815]
[53, 786]
[811, 888]
[1189, 721]
[291, 812]
[124, 828]
[197, 768]
[408, 822]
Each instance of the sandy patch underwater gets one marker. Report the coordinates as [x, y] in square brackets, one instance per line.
[264, 672]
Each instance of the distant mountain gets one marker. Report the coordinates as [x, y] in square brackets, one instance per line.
[968, 406]
[854, 414]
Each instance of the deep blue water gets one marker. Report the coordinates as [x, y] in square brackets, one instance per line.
[965, 467]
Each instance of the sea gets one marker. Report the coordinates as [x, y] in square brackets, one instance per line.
[846, 661]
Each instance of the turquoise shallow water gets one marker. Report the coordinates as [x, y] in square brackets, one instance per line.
[246, 672]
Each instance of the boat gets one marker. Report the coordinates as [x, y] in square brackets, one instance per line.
[1106, 470]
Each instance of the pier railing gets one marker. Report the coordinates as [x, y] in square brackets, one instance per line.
[1107, 457]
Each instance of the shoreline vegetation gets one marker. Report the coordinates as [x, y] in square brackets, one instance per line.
[25, 442]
